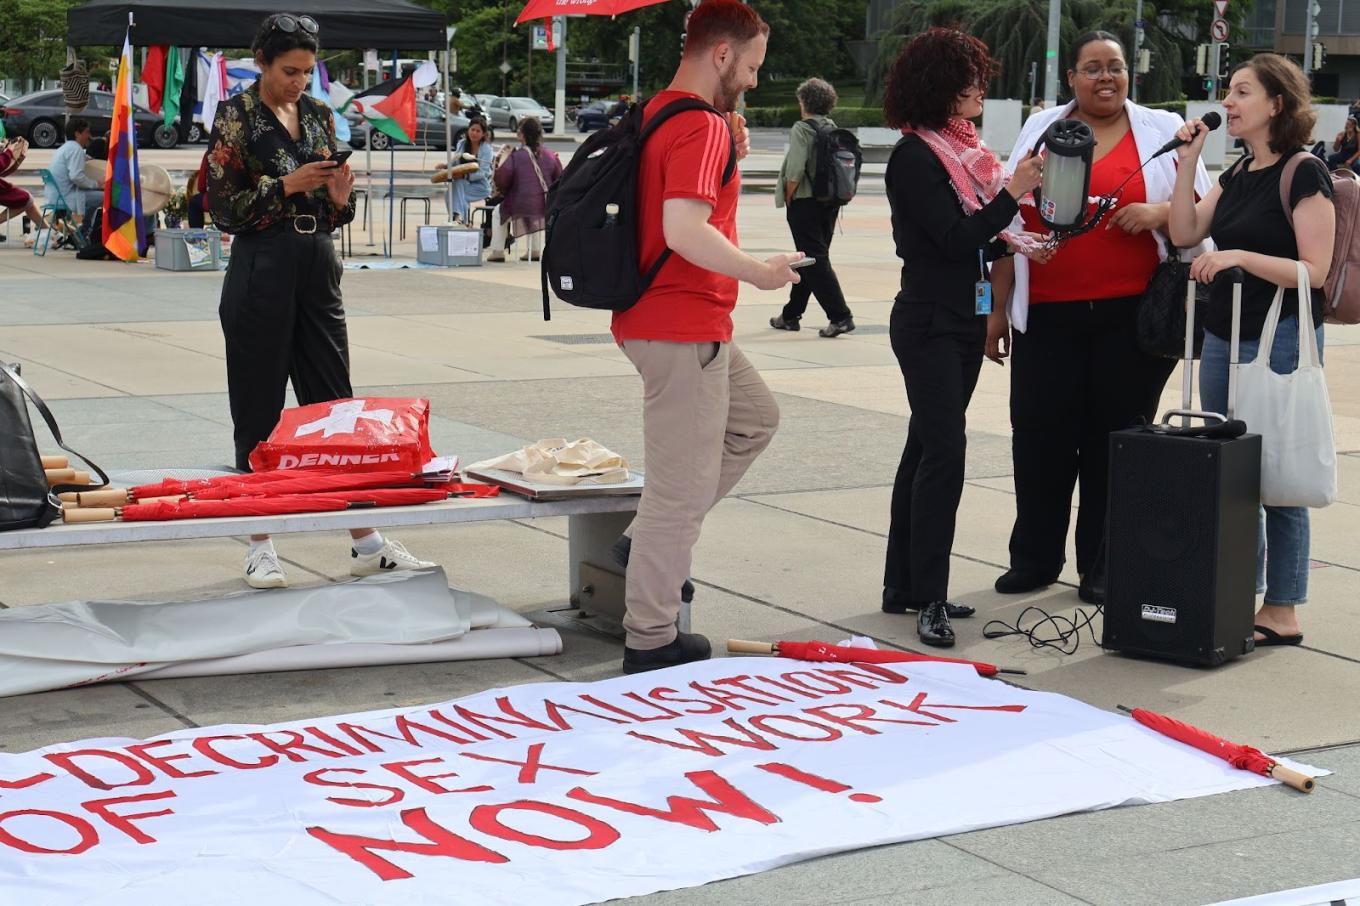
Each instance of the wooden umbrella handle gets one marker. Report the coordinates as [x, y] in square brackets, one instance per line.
[1290, 777]
[90, 514]
[111, 497]
[61, 476]
[738, 646]
[55, 462]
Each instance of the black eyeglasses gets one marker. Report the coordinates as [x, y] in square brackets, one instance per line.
[290, 23]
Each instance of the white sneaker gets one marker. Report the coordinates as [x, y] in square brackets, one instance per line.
[392, 556]
[263, 570]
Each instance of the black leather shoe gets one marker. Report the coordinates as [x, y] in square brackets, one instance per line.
[836, 328]
[779, 322]
[624, 546]
[687, 648]
[895, 602]
[1019, 581]
[932, 625]
[1092, 589]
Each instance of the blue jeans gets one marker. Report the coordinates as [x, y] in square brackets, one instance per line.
[1283, 576]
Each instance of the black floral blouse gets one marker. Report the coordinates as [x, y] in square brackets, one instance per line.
[249, 154]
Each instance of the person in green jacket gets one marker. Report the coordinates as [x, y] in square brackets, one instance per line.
[812, 223]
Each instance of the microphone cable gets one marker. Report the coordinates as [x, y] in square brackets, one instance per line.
[1066, 637]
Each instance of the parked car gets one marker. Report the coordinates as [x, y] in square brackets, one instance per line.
[41, 116]
[429, 128]
[508, 112]
[484, 101]
[594, 116]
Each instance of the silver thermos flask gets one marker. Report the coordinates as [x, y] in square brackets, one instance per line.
[1062, 199]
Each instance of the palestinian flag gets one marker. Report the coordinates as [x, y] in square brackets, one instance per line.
[390, 107]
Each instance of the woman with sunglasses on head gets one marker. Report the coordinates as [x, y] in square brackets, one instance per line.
[1077, 372]
[950, 210]
[273, 184]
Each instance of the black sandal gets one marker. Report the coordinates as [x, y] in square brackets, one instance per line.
[1273, 638]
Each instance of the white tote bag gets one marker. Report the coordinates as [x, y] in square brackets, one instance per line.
[1292, 413]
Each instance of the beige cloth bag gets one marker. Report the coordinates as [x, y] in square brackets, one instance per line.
[559, 461]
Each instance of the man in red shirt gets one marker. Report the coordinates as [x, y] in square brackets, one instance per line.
[706, 412]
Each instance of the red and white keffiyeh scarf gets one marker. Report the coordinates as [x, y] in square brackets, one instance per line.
[974, 171]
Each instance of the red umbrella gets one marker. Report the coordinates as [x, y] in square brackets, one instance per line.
[311, 484]
[1242, 757]
[179, 487]
[841, 654]
[546, 9]
[163, 510]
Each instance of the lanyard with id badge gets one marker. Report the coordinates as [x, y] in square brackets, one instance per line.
[982, 290]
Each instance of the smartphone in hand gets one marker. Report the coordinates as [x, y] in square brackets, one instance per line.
[341, 156]
[802, 263]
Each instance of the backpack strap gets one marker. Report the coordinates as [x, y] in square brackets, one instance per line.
[13, 374]
[1291, 167]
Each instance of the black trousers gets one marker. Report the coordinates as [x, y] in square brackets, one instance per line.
[813, 225]
[283, 319]
[1076, 375]
[941, 371]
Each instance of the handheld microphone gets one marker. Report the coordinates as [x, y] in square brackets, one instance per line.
[1211, 122]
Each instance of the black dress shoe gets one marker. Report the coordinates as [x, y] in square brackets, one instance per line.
[932, 625]
[624, 546]
[779, 322]
[1092, 589]
[1019, 581]
[895, 602]
[687, 648]
[836, 328]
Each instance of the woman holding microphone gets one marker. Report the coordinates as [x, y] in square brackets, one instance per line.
[951, 206]
[1077, 372]
[273, 183]
[1269, 109]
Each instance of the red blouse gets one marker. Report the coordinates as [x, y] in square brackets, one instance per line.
[1104, 263]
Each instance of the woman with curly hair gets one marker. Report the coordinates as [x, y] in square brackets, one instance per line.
[951, 207]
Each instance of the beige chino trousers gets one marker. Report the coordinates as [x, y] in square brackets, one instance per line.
[706, 416]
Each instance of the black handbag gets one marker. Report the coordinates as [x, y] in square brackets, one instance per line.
[26, 500]
[1161, 311]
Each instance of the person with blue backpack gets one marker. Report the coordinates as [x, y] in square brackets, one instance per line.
[809, 190]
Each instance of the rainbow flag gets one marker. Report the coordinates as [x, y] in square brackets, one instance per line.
[124, 228]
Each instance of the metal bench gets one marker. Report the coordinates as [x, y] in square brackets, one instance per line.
[593, 524]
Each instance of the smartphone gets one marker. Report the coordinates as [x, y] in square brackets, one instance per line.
[341, 156]
[802, 263]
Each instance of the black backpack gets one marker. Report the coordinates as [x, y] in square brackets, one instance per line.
[836, 162]
[586, 261]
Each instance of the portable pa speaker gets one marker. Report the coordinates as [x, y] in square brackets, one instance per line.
[1181, 546]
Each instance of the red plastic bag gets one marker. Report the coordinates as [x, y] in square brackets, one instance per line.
[362, 435]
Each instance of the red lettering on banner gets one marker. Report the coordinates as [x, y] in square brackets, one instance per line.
[332, 741]
[918, 706]
[859, 713]
[741, 682]
[554, 713]
[163, 761]
[763, 721]
[508, 715]
[355, 731]
[426, 782]
[700, 740]
[67, 762]
[405, 726]
[855, 677]
[730, 699]
[88, 835]
[294, 741]
[204, 746]
[315, 777]
[794, 689]
[816, 782]
[486, 818]
[709, 707]
[724, 798]
[440, 841]
[25, 782]
[434, 712]
[664, 713]
[837, 687]
[104, 809]
[877, 670]
[531, 765]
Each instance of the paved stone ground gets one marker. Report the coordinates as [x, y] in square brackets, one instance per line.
[131, 359]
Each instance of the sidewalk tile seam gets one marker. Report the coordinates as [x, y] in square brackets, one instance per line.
[1006, 868]
[136, 689]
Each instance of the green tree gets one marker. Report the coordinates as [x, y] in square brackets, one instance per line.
[33, 38]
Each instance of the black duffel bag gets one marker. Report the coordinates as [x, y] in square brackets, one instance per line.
[1161, 311]
[26, 500]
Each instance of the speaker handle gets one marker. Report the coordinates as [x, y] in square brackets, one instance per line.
[1188, 414]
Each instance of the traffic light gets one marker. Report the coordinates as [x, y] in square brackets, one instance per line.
[1319, 55]
[1144, 62]
[1202, 59]
[1224, 66]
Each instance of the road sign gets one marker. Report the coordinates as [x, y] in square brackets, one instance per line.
[505, 69]
[1219, 30]
[540, 38]
[1220, 8]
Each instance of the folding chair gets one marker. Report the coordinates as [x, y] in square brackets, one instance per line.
[54, 212]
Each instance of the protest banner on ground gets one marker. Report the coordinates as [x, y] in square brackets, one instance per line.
[570, 793]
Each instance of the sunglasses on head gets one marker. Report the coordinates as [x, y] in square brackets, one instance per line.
[286, 22]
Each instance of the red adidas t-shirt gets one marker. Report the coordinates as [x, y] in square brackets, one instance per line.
[685, 158]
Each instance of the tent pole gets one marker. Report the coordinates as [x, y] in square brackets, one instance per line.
[390, 245]
[448, 129]
[368, 160]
